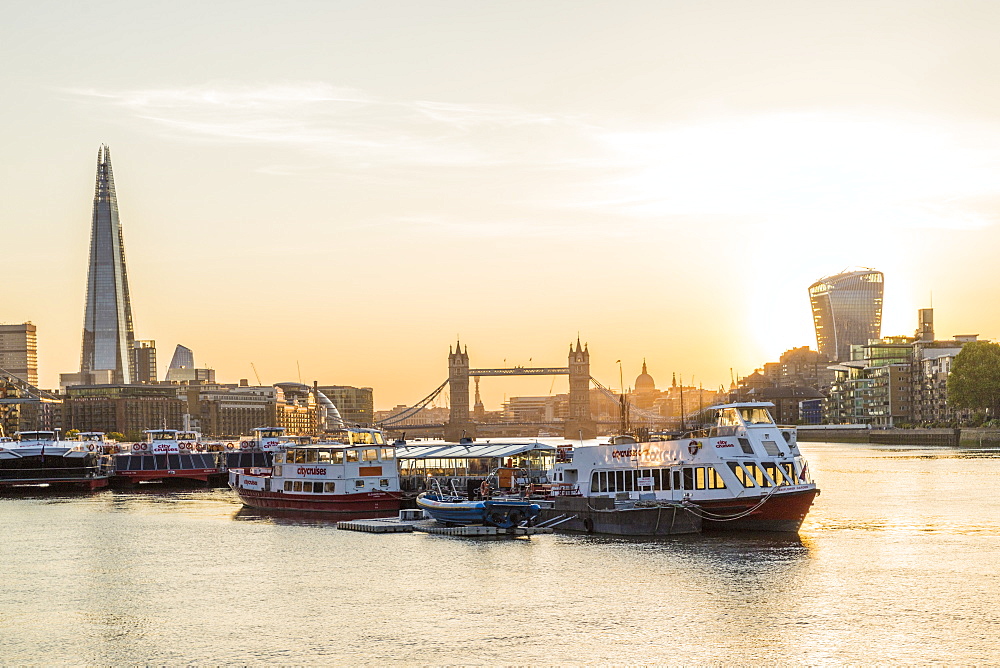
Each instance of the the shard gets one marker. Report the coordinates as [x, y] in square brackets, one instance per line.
[107, 329]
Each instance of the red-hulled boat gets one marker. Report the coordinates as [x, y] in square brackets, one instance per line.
[354, 471]
[743, 473]
[166, 455]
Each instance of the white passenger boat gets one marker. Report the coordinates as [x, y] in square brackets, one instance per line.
[743, 473]
[354, 471]
[41, 458]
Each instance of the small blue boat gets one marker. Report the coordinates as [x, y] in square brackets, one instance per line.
[502, 513]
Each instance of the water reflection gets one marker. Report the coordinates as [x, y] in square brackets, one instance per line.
[895, 565]
[300, 518]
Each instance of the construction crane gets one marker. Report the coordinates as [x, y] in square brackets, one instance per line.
[259, 384]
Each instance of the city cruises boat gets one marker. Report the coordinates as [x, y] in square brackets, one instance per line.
[743, 473]
[259, 449]
[457, 510]
[354, 471]
[41, 458]
[168, 455]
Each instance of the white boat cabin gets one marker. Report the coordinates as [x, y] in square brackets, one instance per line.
[743, 454]
[168, 441]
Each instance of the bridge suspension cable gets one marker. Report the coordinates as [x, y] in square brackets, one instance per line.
[414, 409]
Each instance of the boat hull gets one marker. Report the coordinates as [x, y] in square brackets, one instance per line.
[320, 503]
[782, 512]
[601, 516]
[501, 513]
[198, 475]
[53, 470]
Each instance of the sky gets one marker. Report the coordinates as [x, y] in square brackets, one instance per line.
[337, 191]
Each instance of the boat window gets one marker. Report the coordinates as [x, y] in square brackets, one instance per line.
[307, 486]
[741, 474]
[338, 456]
[595, 482]
[777, 473]
[664, 476]
[288, 485]
[300, 456]
[277, 471]
[619, 481]
[297, 486]
[331, 486]
[771, 448]
[383, 482]
[715, 480]
[745, 445]
[387, 453]
[699, 478]
[758, 474]
[359, 483]
[311, 456]
[789, 469]
[352, 455]
[688, 477]
[756, 415]
[727, 417]
[379, 440]
[369, 455]
[677, 479]
[324, 455]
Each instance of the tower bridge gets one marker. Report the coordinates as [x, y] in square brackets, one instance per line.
[578, 424]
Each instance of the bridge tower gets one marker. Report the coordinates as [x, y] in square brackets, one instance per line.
[579, 424]
[459, 424]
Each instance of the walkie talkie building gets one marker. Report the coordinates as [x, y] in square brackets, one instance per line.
[107, 328]
[847, 310]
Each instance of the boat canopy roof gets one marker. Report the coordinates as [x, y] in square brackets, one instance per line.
[462, 450]
[36, 435]
[743, 404]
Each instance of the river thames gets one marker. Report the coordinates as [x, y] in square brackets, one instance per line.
[896, 563]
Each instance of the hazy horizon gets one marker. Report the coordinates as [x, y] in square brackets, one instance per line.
[348, 187]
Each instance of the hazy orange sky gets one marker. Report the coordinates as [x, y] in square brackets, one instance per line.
[348, 186]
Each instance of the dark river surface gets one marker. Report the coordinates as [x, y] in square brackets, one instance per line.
[897, 563]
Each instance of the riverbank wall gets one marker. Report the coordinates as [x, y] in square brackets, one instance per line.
[861, 434]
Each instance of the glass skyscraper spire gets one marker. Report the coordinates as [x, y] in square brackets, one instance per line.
[107, 328]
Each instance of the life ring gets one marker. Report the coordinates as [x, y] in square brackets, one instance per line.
[484, 489]
[90, 447]
[244, 445]
[135, 446]
[229, 446]
[694, 447]
[529, 489]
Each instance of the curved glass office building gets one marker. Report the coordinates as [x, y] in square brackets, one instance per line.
[847, 310]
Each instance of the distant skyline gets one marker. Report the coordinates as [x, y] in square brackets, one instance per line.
[344, 187]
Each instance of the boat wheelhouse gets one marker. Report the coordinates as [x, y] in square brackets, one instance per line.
[41, 458]
[351, 471]
[743, 473]
[465, 465]
[169, 454]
